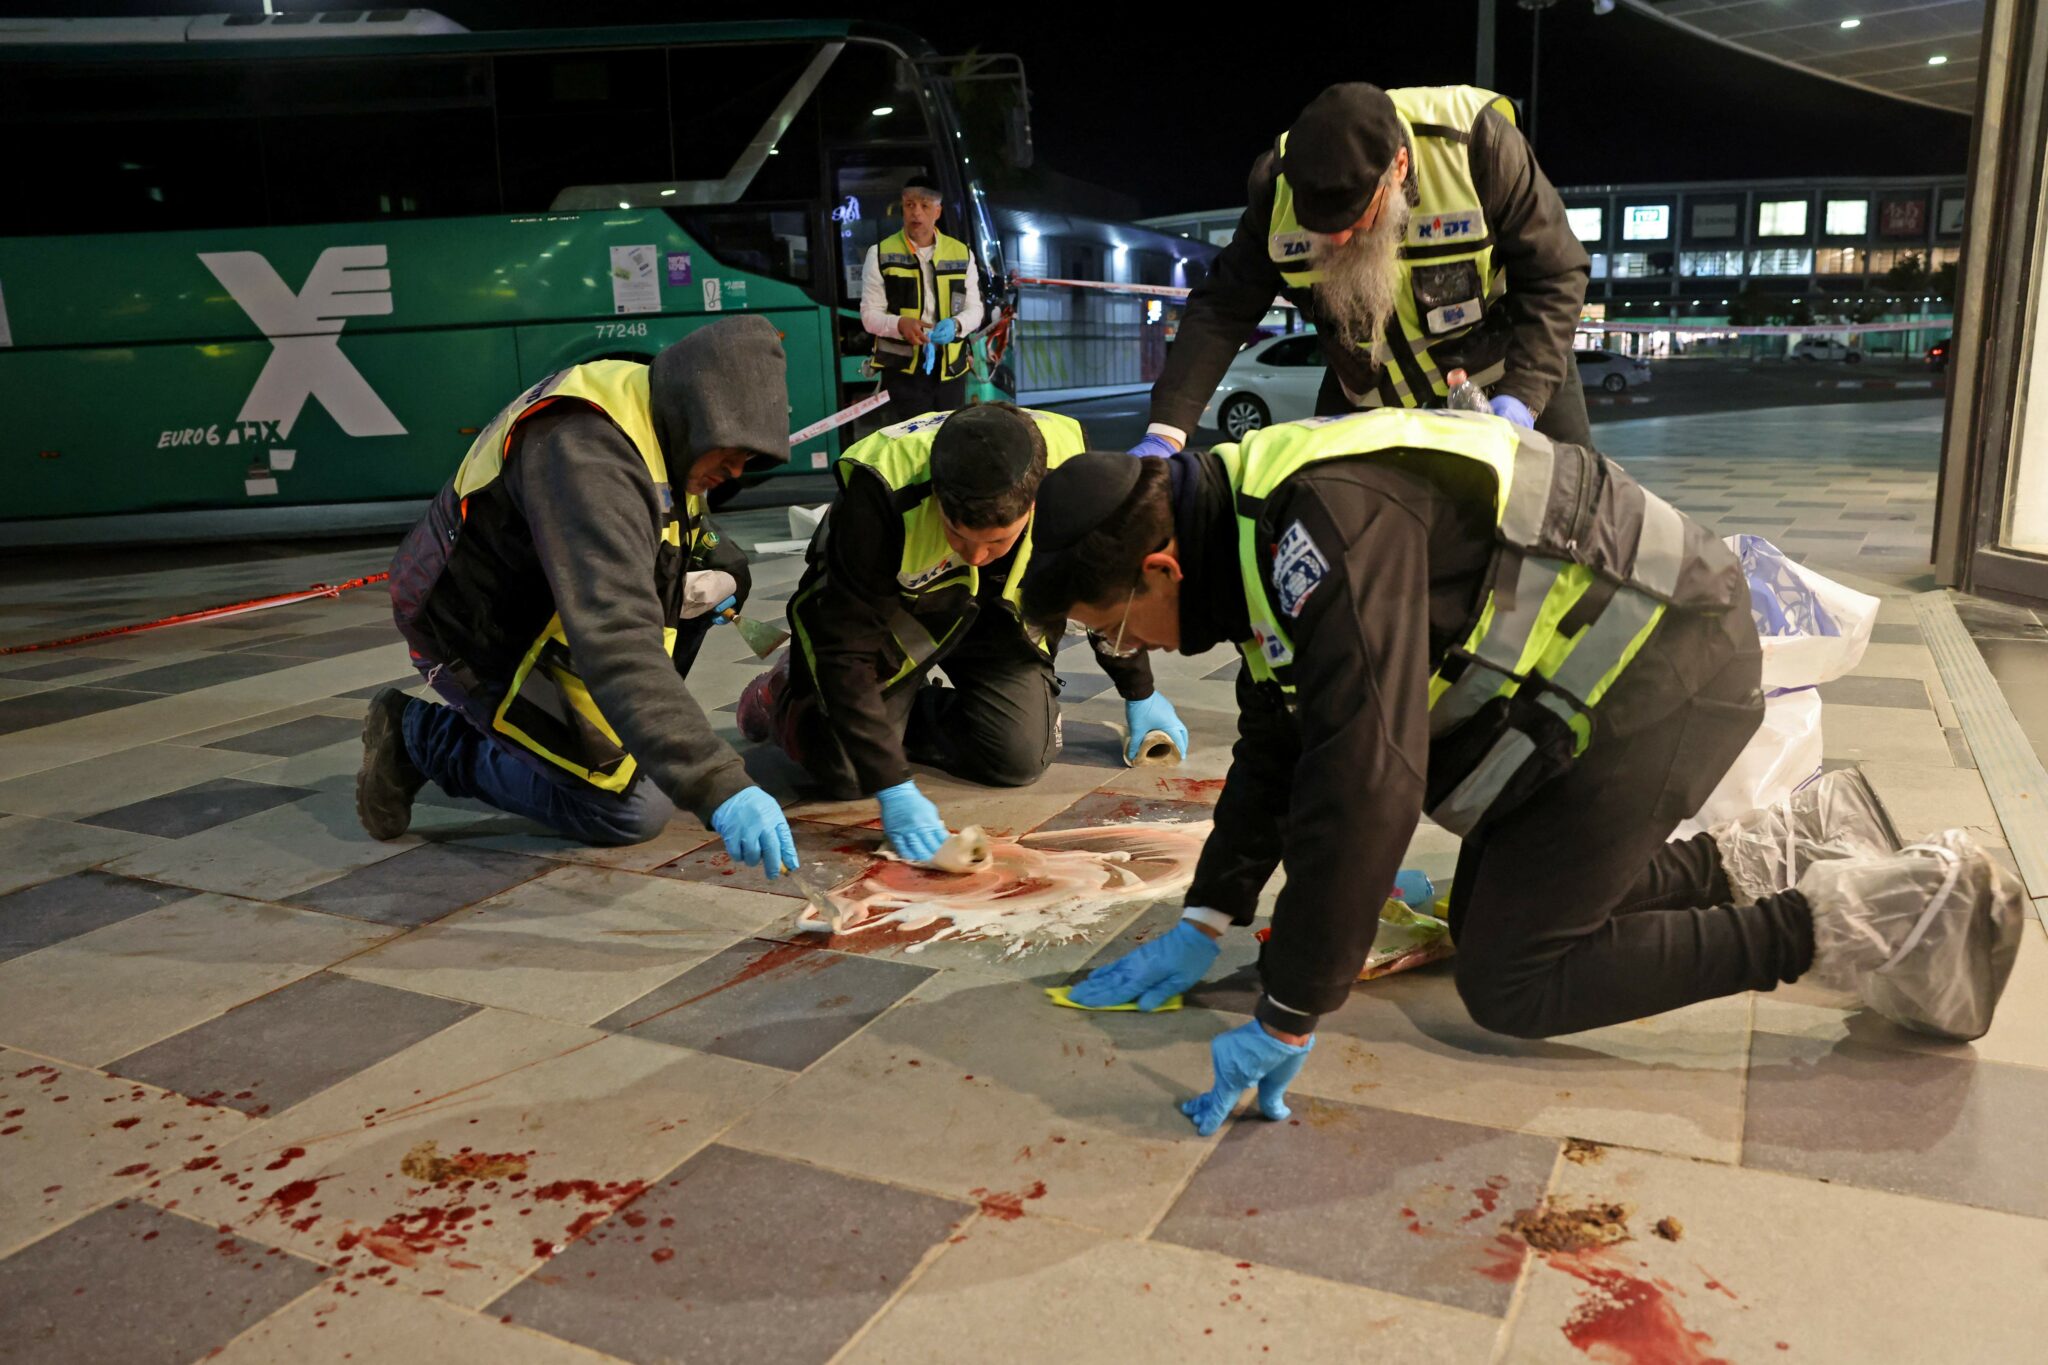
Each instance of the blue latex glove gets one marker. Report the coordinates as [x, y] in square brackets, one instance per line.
[911, 822]
[1512, 408]
[1414, 889]
[931, 357]
[754, 831]
[1244, 1057]
[1151, 973]
[946, 331]
[727, 609]
[1153, 444]
[1153, 713]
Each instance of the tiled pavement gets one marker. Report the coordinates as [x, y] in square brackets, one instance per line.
[271, 1089]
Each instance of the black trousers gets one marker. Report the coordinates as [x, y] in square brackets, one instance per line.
[911, 394]
[1564, 419]
[995, 725]
[1572, 912]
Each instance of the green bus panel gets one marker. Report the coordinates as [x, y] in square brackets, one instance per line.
[159, 428]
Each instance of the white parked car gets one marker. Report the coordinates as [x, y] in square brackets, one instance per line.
[1274, 380]
[1611, 370]
[1826, 348]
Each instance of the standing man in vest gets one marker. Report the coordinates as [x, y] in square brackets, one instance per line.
[1439, 612]
[1415, 231]
[920, 562]
[920, 296]
[556, 593]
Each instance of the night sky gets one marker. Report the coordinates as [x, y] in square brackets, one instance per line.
[1150, 101]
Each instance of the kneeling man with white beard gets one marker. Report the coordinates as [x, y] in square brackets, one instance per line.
[1415, 231]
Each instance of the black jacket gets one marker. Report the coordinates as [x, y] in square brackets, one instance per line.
[1336, 787]
[843, 600]
[1530, 328]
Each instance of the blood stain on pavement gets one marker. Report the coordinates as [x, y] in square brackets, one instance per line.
[1626, 1320]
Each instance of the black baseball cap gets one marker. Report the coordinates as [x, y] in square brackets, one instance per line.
[1337, 150]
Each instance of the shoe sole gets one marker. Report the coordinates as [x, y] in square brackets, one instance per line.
[378, 733]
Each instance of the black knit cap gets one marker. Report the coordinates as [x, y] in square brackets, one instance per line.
[1079, 496]
[1337, 150]
[984, 451]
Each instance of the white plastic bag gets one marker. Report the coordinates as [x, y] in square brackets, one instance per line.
[1813, 630]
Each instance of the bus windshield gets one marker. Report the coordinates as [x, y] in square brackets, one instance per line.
[310, 270]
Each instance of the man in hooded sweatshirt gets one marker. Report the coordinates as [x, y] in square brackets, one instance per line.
[557, 591]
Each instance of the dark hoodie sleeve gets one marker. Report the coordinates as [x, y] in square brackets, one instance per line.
[1132, 677]
[1361, 674]
[590, 505]
[1546, 266]
[1221, 312]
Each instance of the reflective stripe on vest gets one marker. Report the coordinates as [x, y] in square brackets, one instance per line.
[936, 592]
[903, 285]
[1448, 278]
[1588, 561]
[547, 708]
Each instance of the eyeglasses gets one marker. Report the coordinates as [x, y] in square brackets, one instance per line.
[1116, 650]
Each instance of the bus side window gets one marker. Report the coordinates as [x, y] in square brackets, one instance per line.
[581, 118]
[408, 137]
[110, 148]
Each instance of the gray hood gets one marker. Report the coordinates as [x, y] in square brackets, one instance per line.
[722, 386]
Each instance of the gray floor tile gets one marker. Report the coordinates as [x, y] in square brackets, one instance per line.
[1959, 747]
[1080, 687]
[140, 1286]
[1896, 633]
[1799, 502]
[422, 884]
[61, 704]
[1108, 808]
[404, 684]
[37, 916]
[1986, 619]
[2021, 670]
[269, 1054]
[293, 737]
[179, 813]
[1918, 1122]
[1733, 520]
[1399, 1202]
[1858, 690]
[831, 853]
[207, 671]
[1812, 533]
[1877, 516]
[775, 1004]
[46, 667]
[736, 1258]
[1227, 673]
[333, 643]
[1091, 743]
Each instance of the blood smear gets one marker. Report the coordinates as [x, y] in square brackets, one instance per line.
[1041, 889]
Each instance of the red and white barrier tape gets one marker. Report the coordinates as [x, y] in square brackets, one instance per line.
[205, 614]
[1769, 330]
[840, 418]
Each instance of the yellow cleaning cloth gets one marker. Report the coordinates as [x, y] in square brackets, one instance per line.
[1060, 995]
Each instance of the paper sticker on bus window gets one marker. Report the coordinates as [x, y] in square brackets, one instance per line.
[6, 332]
[736, 293]
[678, 267]
[712, 302]
[635, 286]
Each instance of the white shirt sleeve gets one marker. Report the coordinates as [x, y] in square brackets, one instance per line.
[970, 314]
[874, 303]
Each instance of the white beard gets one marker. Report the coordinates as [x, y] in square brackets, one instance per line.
[1355, 297]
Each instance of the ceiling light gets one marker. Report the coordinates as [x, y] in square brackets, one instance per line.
[1852, 23]
[885, 111]
[1937, 60]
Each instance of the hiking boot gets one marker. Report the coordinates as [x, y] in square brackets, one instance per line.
[388, 780]
[756, 710]
[1836, 816]
[1925, 936]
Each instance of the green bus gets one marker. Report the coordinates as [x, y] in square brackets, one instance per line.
[269, 274]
